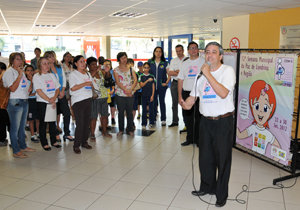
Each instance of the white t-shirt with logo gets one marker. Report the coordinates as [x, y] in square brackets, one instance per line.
[77, 78]
[212, 105]
[47, 83]
[189, 71]
[176, 64]
[261, 138]
[9, 77]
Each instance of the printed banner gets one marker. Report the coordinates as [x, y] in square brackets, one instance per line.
[266, 103]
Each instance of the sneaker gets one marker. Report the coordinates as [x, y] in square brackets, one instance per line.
[113, 122]
[35, 140]
[38, 136]
[163, 123]
[143, 127]
[139, 116]
[150, 126]
[3, 143]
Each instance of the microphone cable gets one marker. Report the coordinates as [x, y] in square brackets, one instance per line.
[244, 187]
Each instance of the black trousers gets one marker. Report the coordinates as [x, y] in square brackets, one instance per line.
[215, 153]
[63, 108]
[189, 120]
[43, 125]
[3, 123]
[82, 111]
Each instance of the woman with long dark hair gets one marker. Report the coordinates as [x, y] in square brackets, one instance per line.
[158, 68]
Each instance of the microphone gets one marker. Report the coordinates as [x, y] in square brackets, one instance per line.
[201, 73]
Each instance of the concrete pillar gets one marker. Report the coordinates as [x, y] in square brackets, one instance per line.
[106, 47]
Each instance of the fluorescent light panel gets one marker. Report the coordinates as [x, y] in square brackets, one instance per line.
[132, 29]
[33, 25]
[5, 21]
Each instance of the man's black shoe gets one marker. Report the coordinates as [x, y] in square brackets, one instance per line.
[220, 204]
[185, 143]
[173, 125]
[199, 193]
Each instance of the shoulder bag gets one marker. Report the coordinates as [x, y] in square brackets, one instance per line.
[137, 87]
[4, 95]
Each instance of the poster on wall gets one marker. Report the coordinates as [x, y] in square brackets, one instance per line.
[229, 58]
[290, 37]
[266, 104]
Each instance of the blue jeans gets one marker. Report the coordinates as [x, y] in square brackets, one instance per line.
[17, 110]
[160, 93]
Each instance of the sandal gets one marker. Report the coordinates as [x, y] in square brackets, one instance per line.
[20, 155]
[120, 133]
[107, 135]
[131, 133]
[92, 138]
[28, 150]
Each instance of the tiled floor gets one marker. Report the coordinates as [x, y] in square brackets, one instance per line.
[134, 173]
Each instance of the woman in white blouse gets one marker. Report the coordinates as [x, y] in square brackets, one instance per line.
[47, 89]
[81, 97]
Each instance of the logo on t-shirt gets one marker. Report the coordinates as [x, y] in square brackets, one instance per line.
[50, 85]
[87, 87]
[208, 91]
[193, 70]
[260, 140]
[24, 82]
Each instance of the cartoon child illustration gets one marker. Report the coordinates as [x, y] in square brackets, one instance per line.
[262, 102]
[280, 69]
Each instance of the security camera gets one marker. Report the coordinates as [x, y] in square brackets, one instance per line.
[215, 20]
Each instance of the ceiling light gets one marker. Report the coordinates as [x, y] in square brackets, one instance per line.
[74, 32]
[207, 29]
[127, 15]
[4, 20]
[132, 29]
[146, 33]
[33, 25]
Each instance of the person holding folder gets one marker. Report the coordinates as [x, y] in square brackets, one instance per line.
[47, 89]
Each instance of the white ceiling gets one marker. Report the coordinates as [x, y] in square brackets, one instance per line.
[92, 17]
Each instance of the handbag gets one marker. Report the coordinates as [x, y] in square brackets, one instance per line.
[109, 82]
[4, 96]
[137, 87]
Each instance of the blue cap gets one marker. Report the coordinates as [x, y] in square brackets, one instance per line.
[140, 63]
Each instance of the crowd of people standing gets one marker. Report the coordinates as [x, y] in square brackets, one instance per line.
[80, 90]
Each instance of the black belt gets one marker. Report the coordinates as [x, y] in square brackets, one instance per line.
[175, 80]
[220, 116]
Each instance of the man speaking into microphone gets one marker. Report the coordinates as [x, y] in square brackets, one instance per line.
[190, 69]
[215, 91]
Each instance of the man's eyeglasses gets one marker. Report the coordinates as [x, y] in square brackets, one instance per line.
[193, 48]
